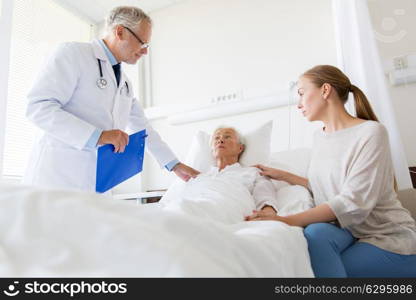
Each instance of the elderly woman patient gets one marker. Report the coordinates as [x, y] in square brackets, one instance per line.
[228, 192]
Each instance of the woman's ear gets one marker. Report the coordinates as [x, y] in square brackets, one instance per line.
[326, 90]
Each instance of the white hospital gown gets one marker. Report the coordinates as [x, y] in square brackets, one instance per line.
[226, 195]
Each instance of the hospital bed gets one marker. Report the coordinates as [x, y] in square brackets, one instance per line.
[53, 233]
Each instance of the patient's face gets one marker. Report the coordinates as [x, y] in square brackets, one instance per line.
[311, 103]
[225, 143]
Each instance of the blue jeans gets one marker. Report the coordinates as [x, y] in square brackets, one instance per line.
[334, 252]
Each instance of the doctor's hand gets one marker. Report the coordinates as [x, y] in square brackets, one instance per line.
[119, 139]
[185, 172]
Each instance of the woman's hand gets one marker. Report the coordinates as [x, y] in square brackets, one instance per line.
[271, 172]
[277, 174]
[268, 216]
[267, 211]
[319, 214]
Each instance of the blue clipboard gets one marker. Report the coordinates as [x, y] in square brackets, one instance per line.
[114, 168]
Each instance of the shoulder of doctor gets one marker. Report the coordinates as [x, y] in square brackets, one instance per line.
[71, 48]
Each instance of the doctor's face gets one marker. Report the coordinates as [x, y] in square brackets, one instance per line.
[133, 42]
[311, 102]
[225, 142]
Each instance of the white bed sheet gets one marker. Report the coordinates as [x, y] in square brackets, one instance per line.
[70, 234]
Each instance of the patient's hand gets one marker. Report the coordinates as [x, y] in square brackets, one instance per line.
[269, 210]
[185, 172]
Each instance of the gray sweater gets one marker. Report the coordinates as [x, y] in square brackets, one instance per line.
[352, 171]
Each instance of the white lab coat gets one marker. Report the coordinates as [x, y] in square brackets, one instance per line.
[67, 105]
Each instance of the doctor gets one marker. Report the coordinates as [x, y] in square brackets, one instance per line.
[82, 99]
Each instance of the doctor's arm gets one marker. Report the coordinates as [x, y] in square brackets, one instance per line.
[156, 146]
[51, 91]
[185, 172]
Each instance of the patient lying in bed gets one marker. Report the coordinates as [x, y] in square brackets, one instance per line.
[228, 192]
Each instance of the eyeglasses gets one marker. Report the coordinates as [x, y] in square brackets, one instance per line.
[144, 45]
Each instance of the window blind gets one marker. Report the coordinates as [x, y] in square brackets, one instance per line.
[37, 27]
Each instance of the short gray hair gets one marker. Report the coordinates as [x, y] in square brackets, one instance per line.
[240, 138]
[128, 16]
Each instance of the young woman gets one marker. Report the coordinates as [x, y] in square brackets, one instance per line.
[358, 227]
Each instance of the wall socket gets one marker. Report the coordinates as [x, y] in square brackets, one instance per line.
[226, 98]
[400, 62]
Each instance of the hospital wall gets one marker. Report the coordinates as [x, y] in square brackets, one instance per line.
[257, 48]
[202, 49]
[395, 24]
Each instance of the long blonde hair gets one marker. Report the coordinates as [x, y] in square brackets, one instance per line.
[340, 82]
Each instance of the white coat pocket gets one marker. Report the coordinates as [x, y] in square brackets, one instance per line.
[61, 167]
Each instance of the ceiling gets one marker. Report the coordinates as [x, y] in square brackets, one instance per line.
[96, 10]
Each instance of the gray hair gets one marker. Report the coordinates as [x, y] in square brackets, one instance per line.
[128, 16]
[240, 138]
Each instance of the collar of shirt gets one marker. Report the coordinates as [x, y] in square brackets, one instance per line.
[110, 55]
[229, 167]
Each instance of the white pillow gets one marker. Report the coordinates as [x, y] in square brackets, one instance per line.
[295, 161]
[199, 155]
[257, 151]
[293, 199]
[257, 148]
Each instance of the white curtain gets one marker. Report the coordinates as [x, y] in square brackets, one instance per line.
[6, 10]
[359, 58]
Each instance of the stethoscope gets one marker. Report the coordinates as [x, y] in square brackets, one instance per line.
[102, 82]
